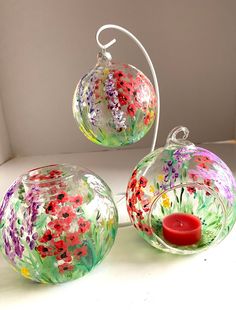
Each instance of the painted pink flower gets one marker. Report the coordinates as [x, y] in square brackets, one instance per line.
[76, 200]
[58, 225]
[52, 208]
[193, 176]
[72, 239]
[66, 214]
[191, 189]
[44, 251]
[79, 252]
[123, 98]
[147, 229]
[143, 181]
[65, 267]
[64, 255]
[84, 225]
[132, 184]
[62, 197]
[131, 110]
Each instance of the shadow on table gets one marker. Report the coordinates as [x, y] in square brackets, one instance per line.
[11, 281]
[131, 249]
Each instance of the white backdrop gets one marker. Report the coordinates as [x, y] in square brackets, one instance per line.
[5, 149]
[46, 46]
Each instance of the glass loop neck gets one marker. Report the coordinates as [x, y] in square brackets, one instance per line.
[173, 141]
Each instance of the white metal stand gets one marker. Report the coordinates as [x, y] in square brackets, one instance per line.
[145, 53]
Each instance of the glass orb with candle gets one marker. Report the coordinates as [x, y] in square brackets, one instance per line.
[182, 198]
[114, 104]
[57, 223]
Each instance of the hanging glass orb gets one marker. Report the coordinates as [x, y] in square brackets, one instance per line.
[114, 104]
[182, 198]
[57, 223]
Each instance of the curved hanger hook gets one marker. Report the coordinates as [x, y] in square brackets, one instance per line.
[113, 41]
[109, 44]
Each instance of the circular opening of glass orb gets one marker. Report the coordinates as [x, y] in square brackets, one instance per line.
[56, 223]
[186, 201]
[114, 104]
[182, 185]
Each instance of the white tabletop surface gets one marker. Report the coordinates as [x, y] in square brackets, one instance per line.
[134, 275]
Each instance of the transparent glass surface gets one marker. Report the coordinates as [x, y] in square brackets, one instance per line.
[114, 104]
[182, 178]
[56, 223]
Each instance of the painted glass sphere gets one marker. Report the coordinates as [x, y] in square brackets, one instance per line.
[114, 104]
[184, 181]
[56, 223]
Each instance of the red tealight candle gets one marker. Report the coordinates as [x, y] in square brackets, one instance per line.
[182, 229]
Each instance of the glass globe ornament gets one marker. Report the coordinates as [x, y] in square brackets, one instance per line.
[57, 223]
[114, 104]
[182, 185]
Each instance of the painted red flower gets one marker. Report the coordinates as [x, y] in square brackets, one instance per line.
[139, 215]
[147, 119]
[127, 87]
[65, 267]
[207, 182]
[193, 176]
[131, 110]
[139, 226]
[60, 246]
[52, 208]
[64, 255]
[143, 182]
[120, 84]
[204, 166]
[147, 229]
[131, 206]
[139, 194]
[58, 225]
[118, 74]
[79, 252]
[72, 239]
[131, 203]
[202, 159]
[191, 189]
[132, 184]
[83, 225]
[44, 251]
[67, 214]
[48, 236]
[55, 173]
[145, 205]
[134, 173]
[123, 98]
[206, 159]
[76, 200]
[62, 197]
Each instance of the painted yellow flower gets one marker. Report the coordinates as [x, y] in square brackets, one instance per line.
[106, 71]
[166, 203]
[165, 200]
[25, 272]
[152, 189]
[108, 224]
[152, 114]
[160, 178]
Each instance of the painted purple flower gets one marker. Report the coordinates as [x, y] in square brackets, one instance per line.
[118, 116]
[7, 197]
